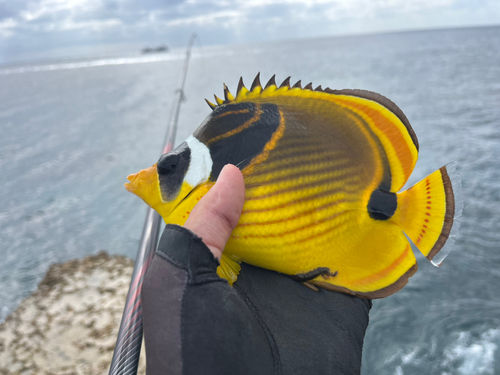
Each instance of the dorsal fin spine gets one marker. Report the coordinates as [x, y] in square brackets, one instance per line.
[256, 90]
[271, 82]
[210, 104]
[242, 90]
[286, 83]
[218, 100]
[240, 86]
[270, 86]
[227, 95]
[256, 83]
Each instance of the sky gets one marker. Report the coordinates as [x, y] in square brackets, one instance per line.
[36, 29]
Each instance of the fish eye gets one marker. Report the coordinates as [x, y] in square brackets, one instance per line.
[167, 164]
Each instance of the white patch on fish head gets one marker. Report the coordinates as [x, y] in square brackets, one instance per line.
[200, 166]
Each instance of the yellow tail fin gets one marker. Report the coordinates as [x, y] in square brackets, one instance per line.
[428, 212]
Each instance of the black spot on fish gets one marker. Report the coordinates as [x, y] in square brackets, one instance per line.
[172, 168]
[382, 204]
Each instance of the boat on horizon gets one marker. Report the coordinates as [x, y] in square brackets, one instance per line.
[160, 49]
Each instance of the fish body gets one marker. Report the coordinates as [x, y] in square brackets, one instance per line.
[322, 172]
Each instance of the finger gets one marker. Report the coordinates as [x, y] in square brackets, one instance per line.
[217, 213]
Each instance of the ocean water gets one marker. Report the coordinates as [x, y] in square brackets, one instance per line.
[71, 131]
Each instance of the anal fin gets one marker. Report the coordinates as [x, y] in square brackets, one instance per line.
[310, 286]
[229, 268]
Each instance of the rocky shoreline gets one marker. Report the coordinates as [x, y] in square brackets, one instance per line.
[70, 323]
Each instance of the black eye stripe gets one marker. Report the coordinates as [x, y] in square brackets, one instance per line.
[168, 163]
[172, 168]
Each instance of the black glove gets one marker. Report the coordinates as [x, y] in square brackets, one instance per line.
[267, 323]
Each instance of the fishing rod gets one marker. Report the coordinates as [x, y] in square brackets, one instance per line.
[128, 344]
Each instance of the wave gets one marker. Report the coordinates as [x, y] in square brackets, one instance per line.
[91, 63]
[467, 354]
[95, 62]
[471, 355]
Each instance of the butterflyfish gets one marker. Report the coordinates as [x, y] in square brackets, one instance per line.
[323, 172]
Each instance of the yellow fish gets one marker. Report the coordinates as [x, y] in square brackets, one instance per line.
[323, 170]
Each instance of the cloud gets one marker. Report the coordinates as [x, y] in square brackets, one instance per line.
[39, 9]
[31, 25]
[7, 27]
[207, 19]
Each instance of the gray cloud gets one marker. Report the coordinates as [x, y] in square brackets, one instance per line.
[30, 28]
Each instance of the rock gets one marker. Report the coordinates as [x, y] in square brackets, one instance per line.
[70, 324]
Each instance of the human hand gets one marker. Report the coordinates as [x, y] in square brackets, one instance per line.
[217, 213]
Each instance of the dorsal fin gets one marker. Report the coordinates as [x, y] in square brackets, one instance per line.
[256, 89]
[389, 104]
[381, 115]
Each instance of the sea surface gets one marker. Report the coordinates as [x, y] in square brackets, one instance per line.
[71, 131]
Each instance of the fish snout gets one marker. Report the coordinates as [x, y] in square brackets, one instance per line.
[139, 181]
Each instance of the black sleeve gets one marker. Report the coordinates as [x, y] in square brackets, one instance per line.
[195, 323]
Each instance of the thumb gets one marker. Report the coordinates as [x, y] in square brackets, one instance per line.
[217, 213]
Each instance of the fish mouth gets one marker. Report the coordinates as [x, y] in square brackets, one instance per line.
[139, 179]
[133, 177]
[130, 186]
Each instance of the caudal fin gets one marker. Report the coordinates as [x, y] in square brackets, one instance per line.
[428, 212]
